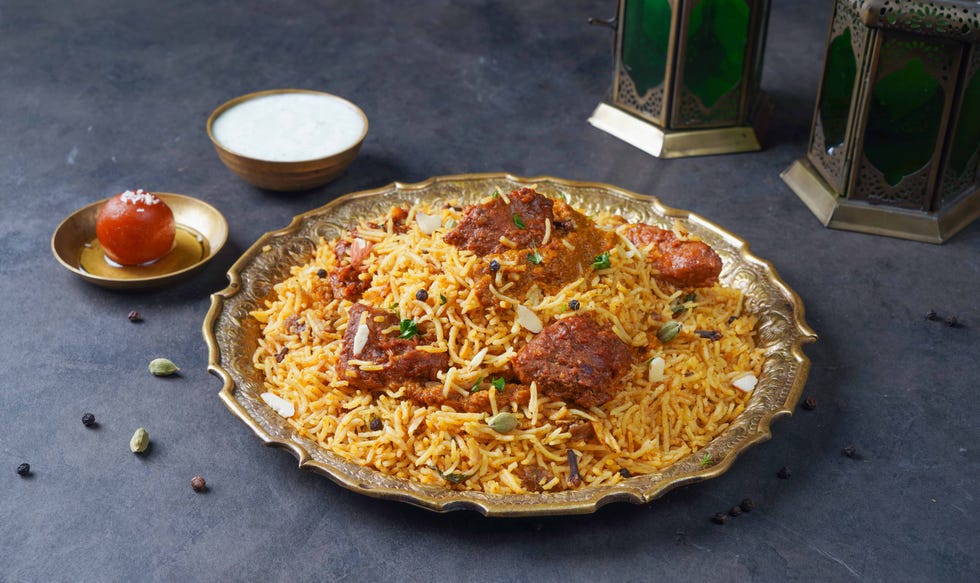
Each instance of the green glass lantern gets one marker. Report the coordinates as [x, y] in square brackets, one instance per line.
[895, 140]
[687, 75]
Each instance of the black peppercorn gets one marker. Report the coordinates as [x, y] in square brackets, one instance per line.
[931, 315]
[784, 473]
[809, 404]
[24, 470]
[494, 265]
[198, 483]
[951, 321]
[747, 505]
[421, 295]
[321, 273]
[375, 424]
[135, 316]
[719, 518]
[849, 450]
[624, 473]
[574, 305]
[88, 420]
[735, 511]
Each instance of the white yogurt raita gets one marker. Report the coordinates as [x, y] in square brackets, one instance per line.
[289, 127]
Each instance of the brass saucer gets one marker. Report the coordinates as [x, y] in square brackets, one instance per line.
[201, 232]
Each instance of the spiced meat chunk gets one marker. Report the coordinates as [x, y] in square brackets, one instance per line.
[478, 402]
[519, 217]
[572, 245]
[575, 359]
[682, 263]
[401, 361]
[349, 280]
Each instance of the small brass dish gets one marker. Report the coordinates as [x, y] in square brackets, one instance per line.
[287, 175]
[201, 232]
[232, 336]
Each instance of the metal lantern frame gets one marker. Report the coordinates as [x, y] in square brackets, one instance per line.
[838, 181]
[668, 120]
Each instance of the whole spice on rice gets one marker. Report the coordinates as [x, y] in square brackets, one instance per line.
[668, 331]
[709, 334]
[503, 422]
[574, 478]
[408, 386]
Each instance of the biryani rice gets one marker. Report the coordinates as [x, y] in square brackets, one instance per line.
[646, 427]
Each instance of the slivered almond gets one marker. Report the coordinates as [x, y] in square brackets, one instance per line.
[529, 319]
[281, 406]
[427, 223]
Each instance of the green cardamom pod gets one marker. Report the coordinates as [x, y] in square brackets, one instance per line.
[140, 441]
[162, 367]
[502, 422]
[668, 331]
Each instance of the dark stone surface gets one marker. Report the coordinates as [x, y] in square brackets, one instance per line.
[103, 95]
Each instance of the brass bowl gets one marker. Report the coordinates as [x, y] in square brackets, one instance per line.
[193, 216]
[285, 176]
[232, 336]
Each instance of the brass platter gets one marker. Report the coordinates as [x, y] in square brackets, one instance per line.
[232, 336]
[198, 223]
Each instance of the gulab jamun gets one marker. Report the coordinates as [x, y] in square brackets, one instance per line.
[135, 227]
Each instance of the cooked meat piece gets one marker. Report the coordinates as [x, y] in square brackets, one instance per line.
[478, 402]
[402, 361]
[533, 478]
[569, 253]
[575, 359]
[484, 224]
[581, 431]
[512, 393]
[346, 282]
[685, 264]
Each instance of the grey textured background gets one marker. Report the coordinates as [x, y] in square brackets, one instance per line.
[97, 96]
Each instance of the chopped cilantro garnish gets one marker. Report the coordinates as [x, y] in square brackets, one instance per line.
[498, 383]
[519, 222]
[476, 385]
[442, 299]
[453, 477]
[535, 257]
[601, 261]
[409, 329]
[393, 307]
[496, 193]
[706, 461]
[681, 304]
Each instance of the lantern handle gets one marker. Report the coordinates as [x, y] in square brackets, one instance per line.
[608, 22]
